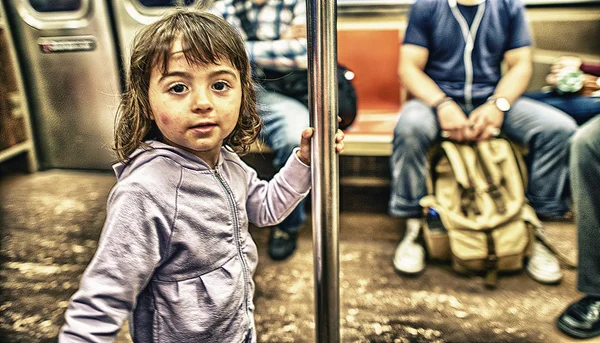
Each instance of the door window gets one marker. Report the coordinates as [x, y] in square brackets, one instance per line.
[166, 3]
[56, 5]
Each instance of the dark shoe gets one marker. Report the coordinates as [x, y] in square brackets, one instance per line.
[281, 244]
[581, 319]
[567, 217]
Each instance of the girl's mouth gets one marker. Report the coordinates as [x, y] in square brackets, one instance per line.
[204, 128]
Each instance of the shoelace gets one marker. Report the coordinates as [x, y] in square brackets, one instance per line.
[594, 312]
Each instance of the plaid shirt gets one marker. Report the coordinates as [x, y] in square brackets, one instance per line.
[271, 20]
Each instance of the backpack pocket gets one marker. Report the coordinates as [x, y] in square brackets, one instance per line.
[437, 242]
[502, 248]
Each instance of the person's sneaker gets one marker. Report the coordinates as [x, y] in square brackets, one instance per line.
[409, 257]
[581, 319]
[567, 217]
[281, 244]
[543, 266]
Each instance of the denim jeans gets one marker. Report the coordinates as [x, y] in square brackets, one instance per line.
[284, 119]
[543, 128]
[581, 108]
[585, 173]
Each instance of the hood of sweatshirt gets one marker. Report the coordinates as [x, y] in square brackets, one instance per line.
[157, 149]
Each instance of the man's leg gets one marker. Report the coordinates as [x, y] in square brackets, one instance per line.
[581, 108]
[546, 131]
[581, 318]
[585, 173]
[284, 119]
[415, 132]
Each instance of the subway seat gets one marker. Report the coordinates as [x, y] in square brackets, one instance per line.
[373, 55]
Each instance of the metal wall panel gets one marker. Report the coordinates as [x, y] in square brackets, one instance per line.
[132, 15]
[69, 63]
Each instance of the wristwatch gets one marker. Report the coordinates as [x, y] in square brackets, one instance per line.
[501, 103]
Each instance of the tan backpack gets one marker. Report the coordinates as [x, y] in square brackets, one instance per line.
[485, 222]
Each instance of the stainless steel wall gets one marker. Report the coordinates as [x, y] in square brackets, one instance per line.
[69, 63]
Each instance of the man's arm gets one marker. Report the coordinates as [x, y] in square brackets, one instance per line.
[451, 117]
[290, 50]
[487, 118]
[284, 51]
[419, 84]
[514, 82]
[281, 53]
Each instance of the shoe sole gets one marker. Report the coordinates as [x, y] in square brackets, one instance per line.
[277, 257]
[544, 281]
[575, 333]
[411, 272]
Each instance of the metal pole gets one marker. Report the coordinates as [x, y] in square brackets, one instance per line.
[322, 67]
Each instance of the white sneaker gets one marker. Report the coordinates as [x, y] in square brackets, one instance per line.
[543, 266]
[409, 257]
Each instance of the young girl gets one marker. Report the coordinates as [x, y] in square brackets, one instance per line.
[175, 250]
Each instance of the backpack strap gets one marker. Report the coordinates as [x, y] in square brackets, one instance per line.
[491, 263]
[463, 178]
[520, 162]
[493, 185]
[541, 237]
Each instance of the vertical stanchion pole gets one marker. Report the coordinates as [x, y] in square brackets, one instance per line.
[322, 67]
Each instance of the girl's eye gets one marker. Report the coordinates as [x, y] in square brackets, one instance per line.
[178, 88]
[220, 86]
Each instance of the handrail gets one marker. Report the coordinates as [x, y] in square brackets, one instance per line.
[322, 68]
[341, 3]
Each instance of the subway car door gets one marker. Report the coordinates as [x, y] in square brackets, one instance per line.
[69, 61]
[132, 15]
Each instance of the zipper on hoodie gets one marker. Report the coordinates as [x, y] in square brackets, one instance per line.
[238, 243]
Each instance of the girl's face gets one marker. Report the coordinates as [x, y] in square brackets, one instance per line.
[195, 106]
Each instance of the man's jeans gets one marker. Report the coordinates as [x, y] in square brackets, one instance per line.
[581, 108]
[585, 173]
[284, 120]
[544, 129]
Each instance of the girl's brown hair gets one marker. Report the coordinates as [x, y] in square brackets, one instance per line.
[206, 39]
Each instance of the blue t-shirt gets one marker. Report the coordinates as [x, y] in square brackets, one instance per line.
[433, 26]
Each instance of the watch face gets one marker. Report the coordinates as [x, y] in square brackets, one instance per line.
[502, 104]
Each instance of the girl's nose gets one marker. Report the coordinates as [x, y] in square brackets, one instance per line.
[202, 100]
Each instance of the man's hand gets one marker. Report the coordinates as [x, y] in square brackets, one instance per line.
[563, 63]
[484, 122]
[295, 32]
[304, 152]
[453, 121]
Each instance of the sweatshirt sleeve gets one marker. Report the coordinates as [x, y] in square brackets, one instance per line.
[127, 254]
[589, 67]
[271, 202]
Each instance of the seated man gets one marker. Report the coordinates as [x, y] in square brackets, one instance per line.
[582, 318]
[451, 63]
[275, 35]
[582, 102]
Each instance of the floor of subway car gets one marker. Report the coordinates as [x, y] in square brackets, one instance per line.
[50, 222]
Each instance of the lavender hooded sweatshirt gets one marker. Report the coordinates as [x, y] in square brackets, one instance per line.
[175, 256]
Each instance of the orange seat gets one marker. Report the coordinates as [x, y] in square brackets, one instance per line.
[373, 56]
